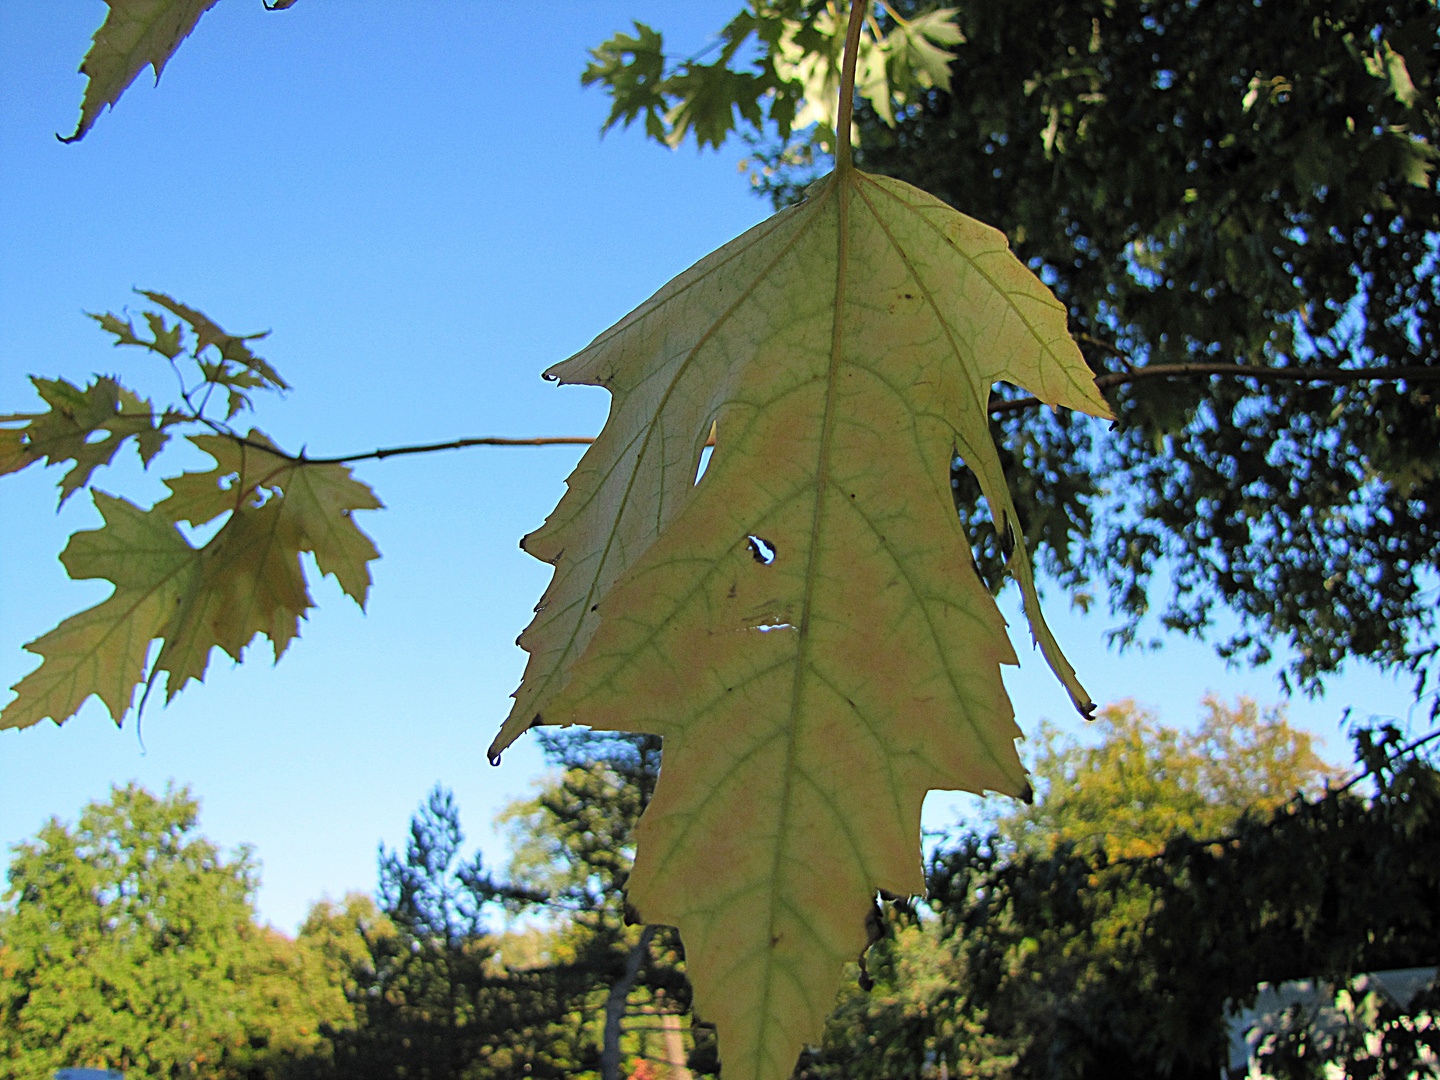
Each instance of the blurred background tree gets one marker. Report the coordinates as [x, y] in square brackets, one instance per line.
[129, 941]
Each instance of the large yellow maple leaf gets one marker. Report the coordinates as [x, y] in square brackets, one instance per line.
[804, 625]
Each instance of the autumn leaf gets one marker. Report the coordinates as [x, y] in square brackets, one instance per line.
[233, 348]
[247, 580]
[804, 625]
[135, 33]
[86, 426]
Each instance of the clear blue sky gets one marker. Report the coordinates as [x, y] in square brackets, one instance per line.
[414, 199]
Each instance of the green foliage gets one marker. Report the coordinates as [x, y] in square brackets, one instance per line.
[1090, 966]
[245, 580]
[1223, 183]
[430, 1001]
[793, 80]
[1142, 783]
[574, 847]
[128, 941]
[1218, 186]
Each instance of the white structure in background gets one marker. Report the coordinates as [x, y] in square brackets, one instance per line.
[89, 1074]
[1326, 1010]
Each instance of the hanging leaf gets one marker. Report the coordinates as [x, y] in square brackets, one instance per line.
[246, 580]
[135, 33]
[804, 625]
[86, 426]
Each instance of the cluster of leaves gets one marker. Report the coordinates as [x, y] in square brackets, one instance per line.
[793, 78]
[246, 579]
[1226, 184]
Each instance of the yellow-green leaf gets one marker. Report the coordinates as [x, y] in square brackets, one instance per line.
[102, 650]
[135, 33]
[84, 426]
[246, 580]
[252, 581]
[803, 626]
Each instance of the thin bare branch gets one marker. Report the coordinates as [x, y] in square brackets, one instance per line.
[998, 406]
[1294, 373]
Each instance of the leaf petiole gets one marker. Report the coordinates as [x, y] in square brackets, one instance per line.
[858, 9]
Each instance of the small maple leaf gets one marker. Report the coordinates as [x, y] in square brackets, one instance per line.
[135, 33]
[802, 626]
[86, 426]
[246, 580]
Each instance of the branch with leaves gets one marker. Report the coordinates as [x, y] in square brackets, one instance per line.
[245, 580]
[801, 614]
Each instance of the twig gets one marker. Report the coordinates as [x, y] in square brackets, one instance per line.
[998, 407]
[1294, 373]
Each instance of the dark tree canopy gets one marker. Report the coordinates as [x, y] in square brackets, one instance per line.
[1228, 183]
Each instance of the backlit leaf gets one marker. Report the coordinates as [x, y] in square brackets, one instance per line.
[103, 650]
[86, 426]
[246, 580]
[803, 625]
[135, 33]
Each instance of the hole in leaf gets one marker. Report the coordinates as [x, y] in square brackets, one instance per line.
[761, 550]
[99, 435]
[705, 453]
[765, 628]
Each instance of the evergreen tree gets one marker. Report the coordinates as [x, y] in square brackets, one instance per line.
[573, 856]
[431, 1002]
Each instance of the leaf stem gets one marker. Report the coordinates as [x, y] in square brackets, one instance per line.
[858, 9]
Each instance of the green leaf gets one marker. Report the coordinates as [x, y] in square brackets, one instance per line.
[135, 33]
[232, 347]
[103, 649]
[84, 426]
[246, 580]
[803, 626]
[633, 69]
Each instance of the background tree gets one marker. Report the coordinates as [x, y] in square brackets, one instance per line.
[574, 846]
[1142, 782]
[1040, 931]
[430, 999]
[1083, 964]
[129, 941]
